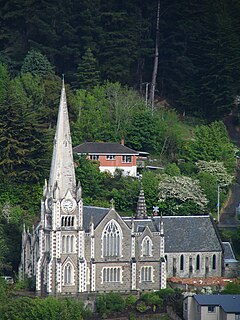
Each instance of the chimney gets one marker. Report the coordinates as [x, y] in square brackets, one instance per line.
[122, 141]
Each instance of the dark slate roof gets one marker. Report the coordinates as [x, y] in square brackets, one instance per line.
[230, 303]
[141, 224]
[94, 214]
[183, 233]
[228, 251]
[190, 234]
[103, 148]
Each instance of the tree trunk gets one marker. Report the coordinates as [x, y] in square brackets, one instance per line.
[156, 55]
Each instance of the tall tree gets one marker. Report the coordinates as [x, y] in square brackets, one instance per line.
[87, 72]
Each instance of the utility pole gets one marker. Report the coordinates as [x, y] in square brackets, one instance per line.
[156, 56]
[218, 203]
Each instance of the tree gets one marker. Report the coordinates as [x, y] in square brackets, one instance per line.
[211, 142]
[87, 73]
[216, 169]
[37, 64]
[21, 136]
[181, 195]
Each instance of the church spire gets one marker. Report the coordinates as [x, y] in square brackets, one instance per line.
[62, 171]
[141, 205]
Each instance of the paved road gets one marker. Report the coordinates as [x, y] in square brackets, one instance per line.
[228, 213]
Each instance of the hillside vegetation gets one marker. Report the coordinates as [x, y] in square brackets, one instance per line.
[106, 51]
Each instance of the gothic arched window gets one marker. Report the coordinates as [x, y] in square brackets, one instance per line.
[198, 262]
[111, 239]
[214, 262]
[147, 246]
[181, 262]
[68, 274]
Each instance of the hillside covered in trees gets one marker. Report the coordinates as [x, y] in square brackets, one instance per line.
[199, 46]
[106, 51]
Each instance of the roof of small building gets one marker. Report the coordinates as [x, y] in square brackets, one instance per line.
[230, 303]
[104, 148]
[228, 252]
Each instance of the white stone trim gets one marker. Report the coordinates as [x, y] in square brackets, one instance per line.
[93, 277]
[134, 276]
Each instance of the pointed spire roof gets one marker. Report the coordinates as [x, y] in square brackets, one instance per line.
[141, 205]
[62, 171]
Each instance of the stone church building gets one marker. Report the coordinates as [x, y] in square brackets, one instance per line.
[77, 248]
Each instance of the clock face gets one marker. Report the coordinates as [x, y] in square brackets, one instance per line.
[67, 205]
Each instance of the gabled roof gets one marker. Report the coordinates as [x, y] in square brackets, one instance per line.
[190, 234]
[103, 148]
[230, 303]
[94, 214]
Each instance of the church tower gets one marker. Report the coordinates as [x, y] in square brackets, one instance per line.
[61, 236]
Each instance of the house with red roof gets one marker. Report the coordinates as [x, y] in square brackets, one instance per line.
[111, 156]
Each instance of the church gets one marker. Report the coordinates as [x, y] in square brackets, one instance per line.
[77, 248]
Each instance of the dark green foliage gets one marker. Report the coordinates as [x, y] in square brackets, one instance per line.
[152, 300]
[10, 244]
[232, 288]
[87, 73]
[37, 64]
[199, 45]
[109, 303]
[25, 308]
[211, 142]
[22, 138]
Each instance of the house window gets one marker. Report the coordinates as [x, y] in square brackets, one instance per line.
[198, 262]
[111, 240]
[94, 157]
[211, 309]
[110, 157]
[214, 262]
[146, 274]
[181, 262]
[68, 274]
[126, 159]
[147, 246]
[111, 274]
[185, 306]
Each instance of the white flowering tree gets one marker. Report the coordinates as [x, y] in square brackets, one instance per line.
[216, 169]
[181, 195]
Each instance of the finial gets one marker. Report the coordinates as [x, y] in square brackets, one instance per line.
[155, 210]
[112, 203]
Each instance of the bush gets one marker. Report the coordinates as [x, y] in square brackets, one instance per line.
[130, 301]
[141, 306]
[109, 303]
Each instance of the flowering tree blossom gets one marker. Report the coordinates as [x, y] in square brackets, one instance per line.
[217, 169]
[178, 190]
